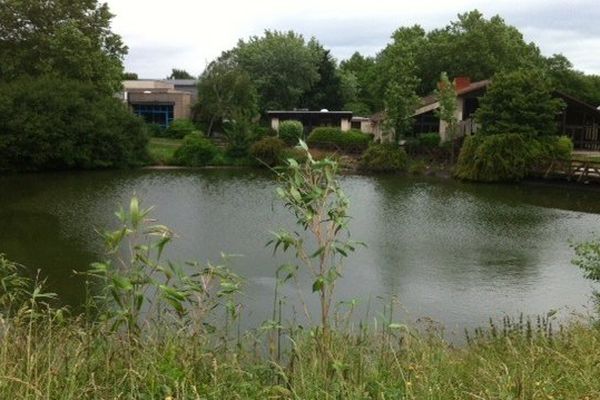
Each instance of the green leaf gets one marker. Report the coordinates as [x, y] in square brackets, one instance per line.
[318, 284]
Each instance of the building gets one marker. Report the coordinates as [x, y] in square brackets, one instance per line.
[161, 101]
[579, 120]
[312, 119]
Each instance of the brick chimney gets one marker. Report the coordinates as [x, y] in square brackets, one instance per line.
[461, 82]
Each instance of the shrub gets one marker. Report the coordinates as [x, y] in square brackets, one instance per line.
[291, 132]
[418, 167]
[196, 151]
[268, 150]
[180, 128]
[384, 158]
[240, 135]
[429, 140]
[334, 138]
[62, 124]
[494, 158]
[294, 153]
[155, 130]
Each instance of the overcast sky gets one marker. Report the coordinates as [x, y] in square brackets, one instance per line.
[162, 34]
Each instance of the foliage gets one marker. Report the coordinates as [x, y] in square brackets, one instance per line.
[180, 128]
[291, 131]
[162, 151]
[547, 148]
[398, 81]
[417, 167]
[429, 140]
[326, 92]
[240, 135]
[297, 154]
[225, 91]
[476, 47]
[195, 151]
[494, 158]
[66, 39]
[129, 76]
[14, 287]
[180, 74]
[384, 158]
[136, 268]
[268, 150]
[446, 96]
[334, 138]
[282, 65]
[358, 109]
[359, 73]
[58, 123]
[519, 102]
[570, 81]
[311, 192]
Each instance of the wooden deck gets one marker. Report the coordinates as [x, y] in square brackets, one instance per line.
[574, 171]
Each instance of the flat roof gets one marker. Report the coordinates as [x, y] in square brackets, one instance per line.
[298, 112]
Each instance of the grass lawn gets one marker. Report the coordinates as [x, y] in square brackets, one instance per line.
[161, 150]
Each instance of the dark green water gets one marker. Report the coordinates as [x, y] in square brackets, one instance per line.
[452, 252]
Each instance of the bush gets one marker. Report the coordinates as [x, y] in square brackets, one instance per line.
[240, 135]
[291, 132]
[63, 124]
[429, 140]
[418, 167]
[549, 148]
[494, 158]
[196, 151]
[334, 138]
[155, 130]
[180, 128]
[384, 158]
[268, 150]
[294, 153]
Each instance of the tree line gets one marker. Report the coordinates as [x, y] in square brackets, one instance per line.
[283, 70]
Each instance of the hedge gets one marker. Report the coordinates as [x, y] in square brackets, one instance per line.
[384, 158]
[268, 150]
[196, 151]
[333, 138]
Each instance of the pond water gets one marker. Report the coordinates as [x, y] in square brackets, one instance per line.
[452, 252]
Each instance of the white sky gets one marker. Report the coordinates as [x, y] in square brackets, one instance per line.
[162, 34]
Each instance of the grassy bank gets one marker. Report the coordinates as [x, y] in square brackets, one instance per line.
[69, 359]
[161, 150]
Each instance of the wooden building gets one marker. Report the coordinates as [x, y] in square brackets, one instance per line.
[579, 120]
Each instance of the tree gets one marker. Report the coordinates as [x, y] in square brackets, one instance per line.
[397, 78]
[519, 102]
[282, 66]
[446, 95]
[70, 39]
[180, 74]
[476, 47]
[59, 123]
[326, 92]
[363, 71]
[129, 76]
[565, 78]
[224, 92]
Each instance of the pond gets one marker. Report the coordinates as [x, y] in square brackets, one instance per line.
[451, 252]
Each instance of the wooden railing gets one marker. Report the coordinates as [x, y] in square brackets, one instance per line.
[467, 127]
[584, 137]
[573, 170]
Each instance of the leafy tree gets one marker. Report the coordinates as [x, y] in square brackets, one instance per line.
[224, 91]
[180, 74]
[58, 123]
[476, 47]
[282, 65]
[70, 39]
[519, 102]
[129, 76]
[326, 92]
[397, 78]
[566, 79]
[361, 72]
[446, 95]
